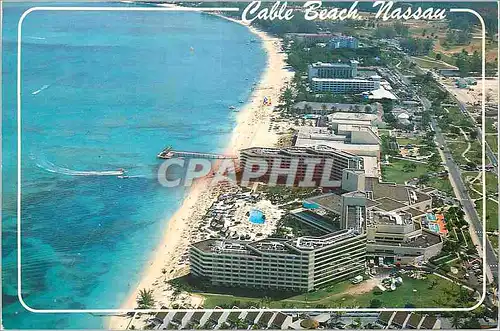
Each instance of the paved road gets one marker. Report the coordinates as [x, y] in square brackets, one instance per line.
[465, 200]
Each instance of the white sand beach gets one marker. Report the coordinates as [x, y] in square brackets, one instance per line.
[252, 130]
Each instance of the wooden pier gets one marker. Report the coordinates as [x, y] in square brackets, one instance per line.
[169, 153]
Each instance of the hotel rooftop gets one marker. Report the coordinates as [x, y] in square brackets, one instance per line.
[288, 246]
[305, 151]
[382, 196]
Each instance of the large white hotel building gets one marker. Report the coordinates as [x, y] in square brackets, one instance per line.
[340, 78]
[321, 164]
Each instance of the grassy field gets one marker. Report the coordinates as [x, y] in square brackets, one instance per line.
[474, 45]
[457, 118]
[491, 214]
[406, 141]
[427, 62]
[494, 241]
[491, 184]
[456, 149]
[489, 125]
[444, 57]
[383, 132]
[469, 175]
[492, 142]
[431, 292]
[442, 184]
[474, 153]
[394, 172]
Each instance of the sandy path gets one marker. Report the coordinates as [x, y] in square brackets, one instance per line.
[251, 130]
[364, 287]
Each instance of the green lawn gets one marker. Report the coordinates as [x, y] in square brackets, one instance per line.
[491, 184]
[406, 141]
[489, 125]
[492, 142]
[431, 292]
[470, 175]
[444, 57]
[394, 172]
[384, 132]
[457, 118]
[491, 214]
[474, 154]
[494, 241]
[442, 184]
[429, 63]
[456, 149]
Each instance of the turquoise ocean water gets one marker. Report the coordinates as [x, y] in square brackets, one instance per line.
[103, 91]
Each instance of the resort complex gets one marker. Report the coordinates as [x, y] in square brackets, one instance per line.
[359, 186]
[367, 221]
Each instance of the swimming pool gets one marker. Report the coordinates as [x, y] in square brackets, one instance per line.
[310, 205]
[434, 227]
[257, 217]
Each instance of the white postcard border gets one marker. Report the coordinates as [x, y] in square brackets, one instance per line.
[111, 311]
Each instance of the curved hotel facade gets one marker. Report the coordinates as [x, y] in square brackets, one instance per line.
[320, 164]
[300, 264]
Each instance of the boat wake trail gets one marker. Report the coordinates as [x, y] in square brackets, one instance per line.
[50, 167]
[37, 38]
[40, 90]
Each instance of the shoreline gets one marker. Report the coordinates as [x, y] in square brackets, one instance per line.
[251, 129]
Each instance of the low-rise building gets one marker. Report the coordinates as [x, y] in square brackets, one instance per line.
[382, 93]
[407, 320]
[325, 108]
[395, 238]
[342, 41]
[452, 72]
[394, 234]
[349, 132]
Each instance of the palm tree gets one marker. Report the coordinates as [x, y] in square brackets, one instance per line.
[337, 315]
[164, 272]
[488, 97]
[456, 321]
[323, 108]
[145, 300]
[241, 324]
[308, 109]
[287, 98]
